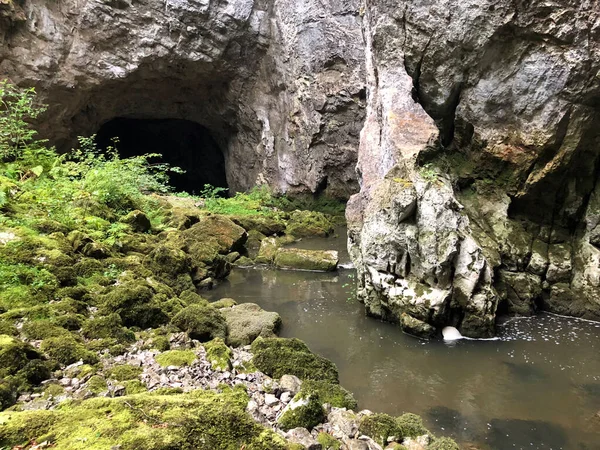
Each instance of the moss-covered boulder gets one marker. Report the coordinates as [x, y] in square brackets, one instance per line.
[224, 303]
[380, 427]
[248, 321]
[253, 243]
[281, 356]
[141, 303]
[124, 372]
[201, 420]
[218, 354]
[328, 392]
[302, 412]
[137, 220]
[15, 355]
[176, 358]
[107, 327]
[201, 322]
[309, 223]
[265, 224]
[268, 250]
[67, 350]
[295, 258]
[212, 236]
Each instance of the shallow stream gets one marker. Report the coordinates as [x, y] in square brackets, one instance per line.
[537, 387]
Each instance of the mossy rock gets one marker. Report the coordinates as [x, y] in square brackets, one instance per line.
[253, 243]
[218, 354]
[201, 420]
[380, 427]
[328, 392]
[201, 322]
[300, 259]
[176, 358]
[303, 412]
[15, 355]
[134, 387]
[264, 224]
[96, 384]
[135, 303]
[248, 321]
[124, 372]
[268, 250]
[160, 343]
[328, 442]
[224, 303]
[281, 356]
[67, 350]
[137, 220]
[309, 223]
[107, 327]
[170, 260]
[42, 329]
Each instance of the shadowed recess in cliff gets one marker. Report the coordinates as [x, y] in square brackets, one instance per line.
[182, 143]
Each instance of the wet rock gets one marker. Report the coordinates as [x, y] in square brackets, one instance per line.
[268, 250]
[248, 321]
[295, 258]
[416, 327]
[303, 437]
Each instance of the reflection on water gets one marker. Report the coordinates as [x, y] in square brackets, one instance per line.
[538, 387]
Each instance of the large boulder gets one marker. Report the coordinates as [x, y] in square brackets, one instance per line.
[295, 258]
[248, 321]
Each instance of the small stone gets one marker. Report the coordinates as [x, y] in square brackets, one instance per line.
[290, 383]
[303, 437]
[271, 400]
[286, 397]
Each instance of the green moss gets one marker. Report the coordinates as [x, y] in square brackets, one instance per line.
[42, 329]
[160, 343]
[308, 415]
[443, 443]
[15, 355]
[380, 427]
[309, 223]
[134, 387]
[218, 354]
[328, 442]
[36, 371]
[109, 326]
[66, 350]
[224, 303]
[8, 328]
[135, 303]
[96, 384]
[176, 358]
[201, 322]
[411, 425]
[200, 420]
[124, 372]
[328, 392]
[280, 356]
[53, 390]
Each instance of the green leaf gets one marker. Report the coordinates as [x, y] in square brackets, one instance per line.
[38, 170]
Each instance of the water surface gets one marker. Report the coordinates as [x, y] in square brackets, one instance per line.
[538, 387]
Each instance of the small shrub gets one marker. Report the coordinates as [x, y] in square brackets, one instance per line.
[443, 443]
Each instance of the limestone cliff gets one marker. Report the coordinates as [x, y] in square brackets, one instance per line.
[479, 160]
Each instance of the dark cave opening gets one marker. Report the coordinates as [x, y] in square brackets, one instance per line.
[182, 143]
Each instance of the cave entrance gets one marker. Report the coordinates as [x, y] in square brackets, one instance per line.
[182, 143]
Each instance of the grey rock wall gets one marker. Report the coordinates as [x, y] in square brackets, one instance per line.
[279, 83]
[496, 212]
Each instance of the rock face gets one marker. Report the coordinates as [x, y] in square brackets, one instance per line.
[479, 162]
[278, 83]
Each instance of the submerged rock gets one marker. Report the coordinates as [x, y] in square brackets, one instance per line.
[295, 258]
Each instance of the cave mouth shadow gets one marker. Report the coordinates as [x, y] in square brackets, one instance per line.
[182, 143]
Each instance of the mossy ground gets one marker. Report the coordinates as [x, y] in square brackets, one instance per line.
[197, 420]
